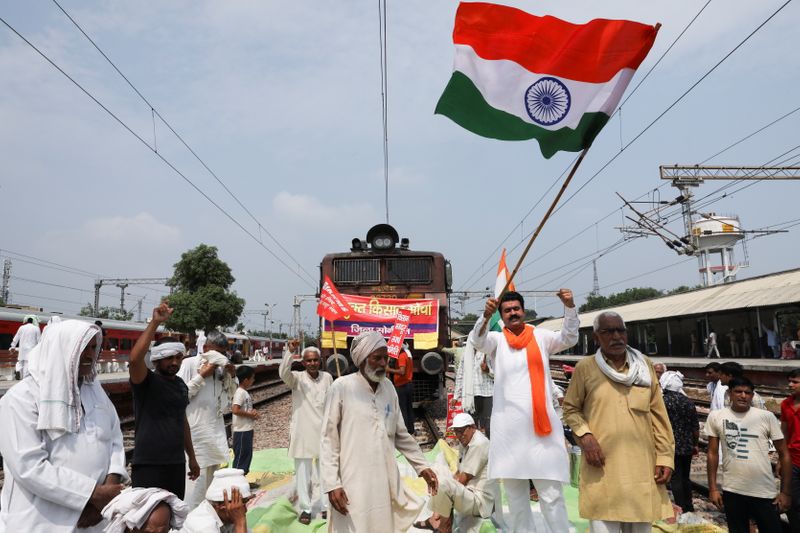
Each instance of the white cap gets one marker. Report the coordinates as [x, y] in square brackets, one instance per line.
[226, 479]
[462, 420]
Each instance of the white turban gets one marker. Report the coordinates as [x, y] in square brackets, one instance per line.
[226, 479]
[168, 349]
[365, 344]
[133, 506]
[672, 380]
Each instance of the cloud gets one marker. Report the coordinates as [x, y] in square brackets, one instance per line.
[139, 245]
[310, 212]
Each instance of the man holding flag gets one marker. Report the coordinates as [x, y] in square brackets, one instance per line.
[527, 435]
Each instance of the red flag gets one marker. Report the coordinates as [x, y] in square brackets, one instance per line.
[399, 331]
[331, 304]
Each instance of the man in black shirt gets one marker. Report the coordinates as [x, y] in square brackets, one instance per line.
[159, 401]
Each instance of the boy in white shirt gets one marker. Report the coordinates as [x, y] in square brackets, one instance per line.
[244, 417]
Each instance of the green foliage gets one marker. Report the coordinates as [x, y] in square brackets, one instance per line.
[201, 297]
[111, 313]
[199, 268]
[634, 294]
[683, 288]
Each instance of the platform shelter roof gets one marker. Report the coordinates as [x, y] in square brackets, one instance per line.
[781, 288]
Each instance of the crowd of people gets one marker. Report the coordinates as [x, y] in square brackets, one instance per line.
[65, 465]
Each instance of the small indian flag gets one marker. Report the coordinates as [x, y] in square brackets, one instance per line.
[495, 323]
[518, 76]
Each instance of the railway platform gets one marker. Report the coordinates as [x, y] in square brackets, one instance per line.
[764, 372]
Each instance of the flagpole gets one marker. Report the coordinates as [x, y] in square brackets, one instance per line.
[333, 345]
[539, 228]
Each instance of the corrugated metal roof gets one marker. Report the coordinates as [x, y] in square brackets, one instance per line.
[774, 289]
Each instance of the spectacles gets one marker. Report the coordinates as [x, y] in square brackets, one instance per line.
[611, 331]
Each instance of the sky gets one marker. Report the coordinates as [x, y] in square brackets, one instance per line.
[281, 100]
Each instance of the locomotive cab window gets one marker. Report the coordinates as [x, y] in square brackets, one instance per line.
[409, 270]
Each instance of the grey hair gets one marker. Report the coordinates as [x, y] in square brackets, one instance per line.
[310, 349]
[612, 314]
[216, 338]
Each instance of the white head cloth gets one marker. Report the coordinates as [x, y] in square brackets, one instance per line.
[132, 507]
[226, 479]
[54, 364]
[168, 349]
[672, 380]
[55, 319]
[638, 369]
[229, 383]
[365, 344]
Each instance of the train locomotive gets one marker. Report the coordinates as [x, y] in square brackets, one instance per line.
[377, 276]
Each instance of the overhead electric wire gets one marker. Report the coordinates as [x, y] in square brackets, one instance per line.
[638, 84]
[57, 285]
[65, 268]
[158, 155]
[677, 212]
[383, 52]
[155, 112]
[672, 105]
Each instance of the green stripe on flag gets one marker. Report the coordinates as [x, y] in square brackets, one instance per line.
[495, 323]
[463, 103]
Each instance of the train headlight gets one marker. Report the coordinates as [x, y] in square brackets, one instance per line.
[383, 237]
[432, 363]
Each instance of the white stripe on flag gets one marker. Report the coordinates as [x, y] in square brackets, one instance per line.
[503, 84]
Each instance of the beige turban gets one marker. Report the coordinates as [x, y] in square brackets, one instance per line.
[365, 344]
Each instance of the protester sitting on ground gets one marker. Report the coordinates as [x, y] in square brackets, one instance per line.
[60, 440]
[224, 509]
[160, 398]
[468, 492]
[145, 510]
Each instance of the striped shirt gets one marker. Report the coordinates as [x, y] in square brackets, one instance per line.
[482, 382]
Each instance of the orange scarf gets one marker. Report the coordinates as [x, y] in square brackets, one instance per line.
[526, 340]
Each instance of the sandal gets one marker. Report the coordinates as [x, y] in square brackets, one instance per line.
[305, 518]
[425, 525]
[324, 515]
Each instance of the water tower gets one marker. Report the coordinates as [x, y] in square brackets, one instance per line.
[715, 236]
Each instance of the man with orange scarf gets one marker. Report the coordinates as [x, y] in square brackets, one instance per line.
[527, 435]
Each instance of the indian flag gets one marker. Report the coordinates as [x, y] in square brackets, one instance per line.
[495, 323]
[518, 76]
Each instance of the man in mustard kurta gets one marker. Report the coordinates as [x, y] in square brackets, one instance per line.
[615, 408]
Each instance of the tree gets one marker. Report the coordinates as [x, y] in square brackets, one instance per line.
[110, 313]
[201, 296]
[634, 294]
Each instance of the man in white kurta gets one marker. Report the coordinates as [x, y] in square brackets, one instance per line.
[308, 401]
[26, 338]
[60, 440]
[208, 377]
[517, 452]
[361, 429]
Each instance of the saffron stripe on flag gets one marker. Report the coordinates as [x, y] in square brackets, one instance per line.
[593, 52]
[464, 104]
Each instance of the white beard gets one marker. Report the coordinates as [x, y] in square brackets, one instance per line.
[372, 374]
